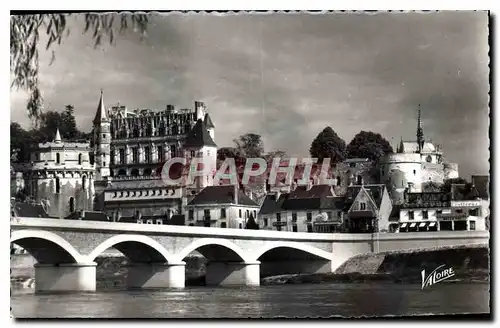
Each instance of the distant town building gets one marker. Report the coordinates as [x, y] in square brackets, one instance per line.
[415, 164]
[224, 206]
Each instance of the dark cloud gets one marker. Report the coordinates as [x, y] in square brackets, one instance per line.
[288, 76]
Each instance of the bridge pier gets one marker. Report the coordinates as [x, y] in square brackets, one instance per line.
[233, 273]
[156, 275]
[66, 277]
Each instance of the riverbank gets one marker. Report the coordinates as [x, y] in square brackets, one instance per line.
[470, 263]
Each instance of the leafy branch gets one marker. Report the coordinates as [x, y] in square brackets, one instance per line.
[25, 33]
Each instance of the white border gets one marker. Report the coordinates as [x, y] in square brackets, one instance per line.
[196, 5]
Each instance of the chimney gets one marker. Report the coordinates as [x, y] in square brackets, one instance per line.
[236, 193]
[199, 110]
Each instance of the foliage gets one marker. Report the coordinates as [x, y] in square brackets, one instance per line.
[251, 145]
[274, 154]
[328, 145]
[431, 187]
[367, 144]
[21, 140]
[251, 224]
[25, 35]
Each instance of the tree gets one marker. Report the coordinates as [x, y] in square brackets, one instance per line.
[430, 187]
[274, 154]
[250, 144]
[69, 123]
[328, 145]
[251, 224]
[25, 33]
[367, 144]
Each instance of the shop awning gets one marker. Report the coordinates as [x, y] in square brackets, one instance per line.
[404, 225]
[432, 224]
[421, 225]
[413, 225]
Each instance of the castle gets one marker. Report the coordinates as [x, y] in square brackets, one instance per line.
[414, 166]
[120, 170]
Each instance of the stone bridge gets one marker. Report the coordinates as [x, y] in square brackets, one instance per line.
[65, 251]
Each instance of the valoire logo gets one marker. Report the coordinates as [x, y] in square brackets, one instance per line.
[436, 276]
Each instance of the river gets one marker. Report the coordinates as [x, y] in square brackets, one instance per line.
[292, 301]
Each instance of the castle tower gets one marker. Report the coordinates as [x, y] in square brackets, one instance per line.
[420, 132]
[102, 141]
[61, 176]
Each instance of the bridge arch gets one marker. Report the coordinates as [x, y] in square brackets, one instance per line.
[290, 250]
[46, 247]
[137, 248]
[215, 249]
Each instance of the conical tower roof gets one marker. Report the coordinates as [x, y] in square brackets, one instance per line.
[208, 122]
[100, 115]
[199, 136]
[57, 139]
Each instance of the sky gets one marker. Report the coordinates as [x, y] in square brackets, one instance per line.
[288, 76]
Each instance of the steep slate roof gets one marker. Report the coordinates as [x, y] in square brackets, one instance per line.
[376, 192]
[271, 204]
[318, 197]
[481, 182]
[100, 115]
[29, 210]
[199, 136]
[208, 122]
[213, 195]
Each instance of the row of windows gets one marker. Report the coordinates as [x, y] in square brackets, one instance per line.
[58, 158]
[425, 213]
[163, 129]
[223, 215]
[139, 193]
[308, 216]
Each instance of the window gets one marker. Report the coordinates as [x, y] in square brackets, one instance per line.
[191, 215]
[150, 221]
[309, 228]
[240, 226]
[206, 213]
[223, 225]
[71, 204]
[294, 217]
[84, 182]
[247, 214]
[309, 216]
[161, 154]
[474, 212]
[223, 213]
[425, 214]
[104, 136]
[122, 156]
[459, 211]
[362, 206]
[58, 185]
[265, 222]
[414, 172]
[147, 154]
[159, 221]
[294, 228]
[339, 214]
[80, 159]
[239, 213]
[254, 213]
[135, 155]
[139, 221]
[193, 153]
[173, 151]
[112, 157]
[359, 180]
[439, 212]
[411, 215]
[278, 217]
[472, 225]
[58, 158]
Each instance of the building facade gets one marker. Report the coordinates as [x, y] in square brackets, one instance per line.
[61, 176]
[225, 206]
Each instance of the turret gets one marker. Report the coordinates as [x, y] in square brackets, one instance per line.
[102, 141]
[420, 133]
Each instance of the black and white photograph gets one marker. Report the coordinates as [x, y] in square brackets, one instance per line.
[250, 165]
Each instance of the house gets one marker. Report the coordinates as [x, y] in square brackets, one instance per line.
[304, 209]
[30, 210]
[225, 206]
[368, 208]
[88, 216]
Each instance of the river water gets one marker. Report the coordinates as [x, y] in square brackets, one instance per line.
[292, 301]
